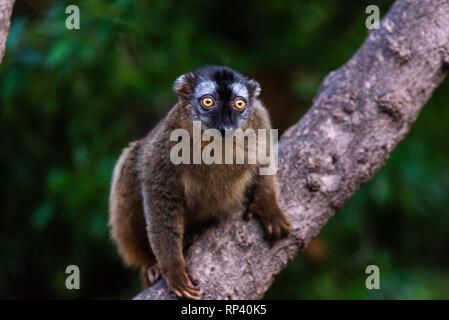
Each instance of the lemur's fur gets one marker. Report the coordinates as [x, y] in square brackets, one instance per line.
[155, 203]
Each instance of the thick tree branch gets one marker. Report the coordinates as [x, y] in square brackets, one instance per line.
[362, 111]
[5, 16]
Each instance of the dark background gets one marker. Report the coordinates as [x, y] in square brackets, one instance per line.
[71, 100]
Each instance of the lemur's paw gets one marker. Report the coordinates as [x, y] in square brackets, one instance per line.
[180, 284]
[276, 226]
[153, 273]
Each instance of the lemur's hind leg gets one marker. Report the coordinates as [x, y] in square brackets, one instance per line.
[127, 219]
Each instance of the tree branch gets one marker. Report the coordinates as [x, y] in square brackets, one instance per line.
[362, 111]
[5, 16]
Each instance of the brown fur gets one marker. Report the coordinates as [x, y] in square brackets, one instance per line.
[153, 202]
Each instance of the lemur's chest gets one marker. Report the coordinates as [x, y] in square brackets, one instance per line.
[216, 190]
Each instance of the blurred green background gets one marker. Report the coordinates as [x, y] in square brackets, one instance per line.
[70, 100]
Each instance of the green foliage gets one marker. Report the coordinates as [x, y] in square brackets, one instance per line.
[70, 100]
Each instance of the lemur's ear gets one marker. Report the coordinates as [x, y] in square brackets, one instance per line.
[254, 86]
[184, 85]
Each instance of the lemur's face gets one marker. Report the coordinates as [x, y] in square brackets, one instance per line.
[219, 97]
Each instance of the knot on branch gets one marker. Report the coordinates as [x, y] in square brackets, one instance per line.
[399, 48]
[313, 182]
[388, 103]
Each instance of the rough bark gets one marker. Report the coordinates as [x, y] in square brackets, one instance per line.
[5, 16]
[362, 111]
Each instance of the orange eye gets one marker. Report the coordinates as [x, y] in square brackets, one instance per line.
[207, 102]
[239, 103]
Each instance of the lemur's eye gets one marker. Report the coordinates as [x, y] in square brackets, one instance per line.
[239, 103]
[207, 101]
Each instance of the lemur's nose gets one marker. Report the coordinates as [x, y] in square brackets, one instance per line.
[225, 127]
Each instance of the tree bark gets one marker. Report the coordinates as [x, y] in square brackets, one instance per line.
[5, 18]
[362, 111]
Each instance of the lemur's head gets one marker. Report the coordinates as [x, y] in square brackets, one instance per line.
[219, 97]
